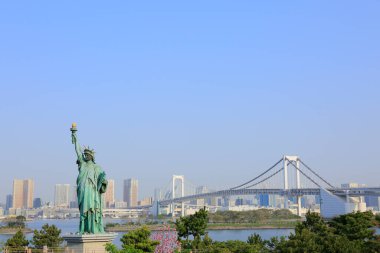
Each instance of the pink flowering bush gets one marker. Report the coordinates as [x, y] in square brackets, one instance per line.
[168, 240]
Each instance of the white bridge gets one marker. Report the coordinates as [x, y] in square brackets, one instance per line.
[288, 177]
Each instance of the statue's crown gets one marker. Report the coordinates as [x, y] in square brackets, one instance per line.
[87, 150]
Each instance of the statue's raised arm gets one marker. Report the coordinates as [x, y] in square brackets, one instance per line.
[74, 139]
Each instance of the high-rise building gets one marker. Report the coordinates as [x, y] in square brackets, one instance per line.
[18, 193]
[23, 191]
[120, 204]
[109, 195]
[28, 193]
[9, 202]
[74, 198]
[272, 200]
[239, 202]
[37, 202]
[61, 195]
[264, 199]
[130, 193]
[226, 201]
[145, 202]
[352, 185]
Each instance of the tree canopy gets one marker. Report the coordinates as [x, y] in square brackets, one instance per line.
[18, 241]
[18, 222]
[252, 216]
[346, 233]
[47, 236]
[136, 241]
[194, 225]
[349, 233]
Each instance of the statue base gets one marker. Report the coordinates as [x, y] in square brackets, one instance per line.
[88, 243]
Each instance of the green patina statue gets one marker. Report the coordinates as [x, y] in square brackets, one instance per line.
[91, 183]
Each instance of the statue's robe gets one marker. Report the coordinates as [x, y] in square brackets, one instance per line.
[91, 183]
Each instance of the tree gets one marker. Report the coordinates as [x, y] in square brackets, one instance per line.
[111, 248]
[47, 236]
[273, 243]
[231, 246]
[138, 241]
[20, 218]
[355, 226]
[17, 242]
[194, 225]
[198, 223]
[315, 224]
[343, 234]
[18, 222]
[302, 241]
[377, 218]
[182, 227]
[255, 239]
[253, 216]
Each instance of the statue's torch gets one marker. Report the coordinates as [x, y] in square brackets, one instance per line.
[73, 129]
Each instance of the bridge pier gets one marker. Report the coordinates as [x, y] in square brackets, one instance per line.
[172, 207]
[286, 202]
[299, 207]
[292, 159]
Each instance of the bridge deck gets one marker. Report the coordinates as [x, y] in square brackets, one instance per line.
[369, 191]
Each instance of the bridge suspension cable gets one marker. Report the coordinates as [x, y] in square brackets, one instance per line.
[166, 190]
[250, 181]
[315, 173]
[291, 162]
[265, 179]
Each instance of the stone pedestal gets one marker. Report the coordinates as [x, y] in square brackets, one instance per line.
[88, 243]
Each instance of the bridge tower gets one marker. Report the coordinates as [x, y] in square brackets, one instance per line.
[295, 159]
[182, 179]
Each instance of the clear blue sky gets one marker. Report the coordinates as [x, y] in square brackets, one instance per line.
[215, 90]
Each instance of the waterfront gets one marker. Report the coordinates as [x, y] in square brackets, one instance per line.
[71, 226]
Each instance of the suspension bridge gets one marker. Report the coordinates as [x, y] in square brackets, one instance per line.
[289, 177]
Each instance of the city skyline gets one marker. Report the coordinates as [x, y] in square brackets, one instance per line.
[228, 199]
[110, 195]
[62, 194]
[200, 90]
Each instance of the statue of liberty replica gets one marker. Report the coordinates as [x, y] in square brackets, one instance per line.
[91, 184]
